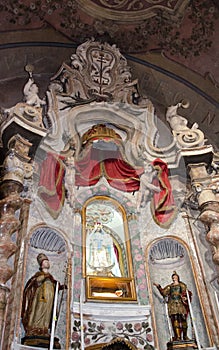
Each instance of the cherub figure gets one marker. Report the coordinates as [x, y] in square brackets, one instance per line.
[31, 94]
[146, 185]
[70, 177]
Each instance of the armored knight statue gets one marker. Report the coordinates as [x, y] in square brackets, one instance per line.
[177, 306]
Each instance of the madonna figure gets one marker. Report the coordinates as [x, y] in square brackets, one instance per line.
[101, 256]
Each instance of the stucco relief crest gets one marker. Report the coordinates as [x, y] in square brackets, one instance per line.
[103, 68]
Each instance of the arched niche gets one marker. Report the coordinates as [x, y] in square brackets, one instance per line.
[107, 261]
[165, 256]
[51, 242]
[115, 344]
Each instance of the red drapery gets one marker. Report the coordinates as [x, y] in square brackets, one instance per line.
[51, 186]
[162, 205]
[119, 175]
[117, 172]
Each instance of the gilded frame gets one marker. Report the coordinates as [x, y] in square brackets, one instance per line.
[105, 288]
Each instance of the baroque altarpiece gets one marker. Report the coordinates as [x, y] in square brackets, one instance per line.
[87, 185]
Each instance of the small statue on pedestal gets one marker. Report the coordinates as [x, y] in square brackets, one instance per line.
[37, 307]
[31, 90]
[178, 309]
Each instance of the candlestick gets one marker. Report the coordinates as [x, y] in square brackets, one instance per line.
[168, 320]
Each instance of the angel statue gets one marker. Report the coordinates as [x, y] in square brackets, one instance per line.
[146, 185]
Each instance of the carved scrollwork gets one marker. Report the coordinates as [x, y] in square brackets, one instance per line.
[185, 137]
[103, 72]
[189, 138]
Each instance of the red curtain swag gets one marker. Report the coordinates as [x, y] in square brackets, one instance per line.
[51, 186]
[117, 172]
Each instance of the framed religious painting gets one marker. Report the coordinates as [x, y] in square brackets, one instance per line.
[107, 261]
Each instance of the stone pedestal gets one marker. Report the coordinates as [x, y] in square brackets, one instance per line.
[42, 341]
[179, 345]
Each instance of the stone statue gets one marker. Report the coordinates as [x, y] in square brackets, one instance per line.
[177, 306]
[185, 137]
[37, 307]
[31, 94]
[70, 178]
[17, 165]
[13, 167]
[177, 122]
[31, 107]
[146, 185]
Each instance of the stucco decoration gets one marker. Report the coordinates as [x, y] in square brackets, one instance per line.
[31, 110]
[17, 164]
[98, 86]
[133, 10]
[185, 137]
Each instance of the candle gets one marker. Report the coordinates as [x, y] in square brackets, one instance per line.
[217, 301]
[168, 320]
[54, 317]
[81, 314]
[193, 321]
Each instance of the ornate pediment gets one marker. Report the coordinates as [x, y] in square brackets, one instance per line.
[97, 72]
[97, 88]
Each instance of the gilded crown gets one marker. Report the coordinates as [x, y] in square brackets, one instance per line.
[100, 131]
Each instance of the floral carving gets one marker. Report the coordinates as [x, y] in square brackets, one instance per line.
[199, 17]
[138, 260]
[139, 333]
[157, 32]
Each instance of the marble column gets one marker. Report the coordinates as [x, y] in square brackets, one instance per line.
[12, 320]
[206, 187]
[16, 168]
[8, 225]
